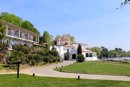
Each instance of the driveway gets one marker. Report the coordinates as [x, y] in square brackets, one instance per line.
[48, 71]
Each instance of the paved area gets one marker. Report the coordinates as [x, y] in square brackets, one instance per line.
[48, 71]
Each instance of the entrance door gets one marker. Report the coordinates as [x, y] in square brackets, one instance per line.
[73, 56]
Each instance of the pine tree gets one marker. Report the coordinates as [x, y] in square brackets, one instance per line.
[79, 50]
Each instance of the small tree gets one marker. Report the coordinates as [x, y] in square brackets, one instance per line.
[46, 37]
[80, 58]
[79, 50]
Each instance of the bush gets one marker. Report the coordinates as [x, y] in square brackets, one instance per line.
[16, 56]
[80, 58]
[22, 48]
[46, 59]
[34, 59]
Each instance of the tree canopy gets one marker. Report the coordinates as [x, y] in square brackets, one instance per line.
[12, 18]
[103, 52]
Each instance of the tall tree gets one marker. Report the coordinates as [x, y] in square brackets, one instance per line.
[79, 49]
[46, 37]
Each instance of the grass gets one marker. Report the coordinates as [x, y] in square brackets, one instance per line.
[109, 68]
[30, 81]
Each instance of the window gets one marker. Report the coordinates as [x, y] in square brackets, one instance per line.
[87, 55]
[16, 33]
[9, 31]
[68, 50]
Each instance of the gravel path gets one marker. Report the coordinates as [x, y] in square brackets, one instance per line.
[48, 71]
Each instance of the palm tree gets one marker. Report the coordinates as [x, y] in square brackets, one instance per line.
[2, 31]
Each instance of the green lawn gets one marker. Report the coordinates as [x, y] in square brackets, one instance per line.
[109, 68]
[30, 81]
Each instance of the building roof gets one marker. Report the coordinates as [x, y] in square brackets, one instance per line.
[80, 43]
[69, 46]
[87, 51]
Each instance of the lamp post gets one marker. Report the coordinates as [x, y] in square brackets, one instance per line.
[18, 65]
[18, 69]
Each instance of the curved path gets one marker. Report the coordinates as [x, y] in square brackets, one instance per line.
[48, 71]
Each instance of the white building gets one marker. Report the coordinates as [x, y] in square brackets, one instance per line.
[71, 48]
[17, 35]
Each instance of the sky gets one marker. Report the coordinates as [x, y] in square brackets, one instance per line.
[94, 22]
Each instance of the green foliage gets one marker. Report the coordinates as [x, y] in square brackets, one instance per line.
[40, 40]
[46, 37]
[11, 18]
[22, 48]
[54, 53]
[34, 59]
[80, 58]
[2, 31]
[3, 47]
[104, 52]
[79, 49]
[29, 26]
[16, 56]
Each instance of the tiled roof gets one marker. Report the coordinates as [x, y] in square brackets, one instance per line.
[87, 51]
[69, 46]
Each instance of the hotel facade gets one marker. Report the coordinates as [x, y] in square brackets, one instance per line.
[17, 35]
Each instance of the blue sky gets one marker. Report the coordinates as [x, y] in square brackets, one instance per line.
[95, 22]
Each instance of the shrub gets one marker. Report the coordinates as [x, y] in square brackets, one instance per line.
[46, 59]
[16, 56]
[54, 53]
[80, 58]
[22, 48]
[34, 59]
[1, 57]
[3, 47]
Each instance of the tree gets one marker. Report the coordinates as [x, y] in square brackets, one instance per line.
[41, 40]
[104, 52]
[112, 54]
[97, 50]
[11, 18]
[16, 56]
[2, 31]
[79, 49]
[46, 37]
